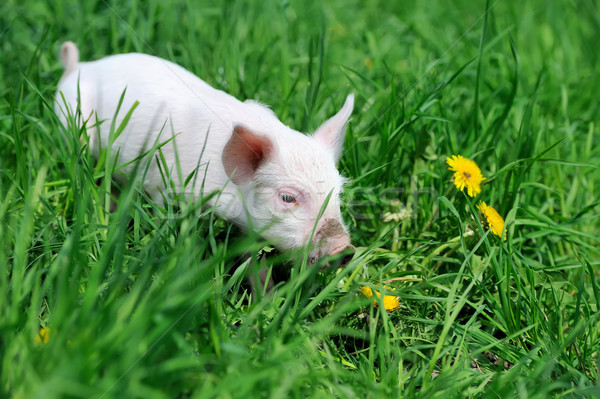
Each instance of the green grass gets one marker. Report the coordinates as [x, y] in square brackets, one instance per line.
[153, 303]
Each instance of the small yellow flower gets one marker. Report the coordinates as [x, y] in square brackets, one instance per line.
[494, 220]
[390, 302]
[366, 291]
[43, 336]
[466, 174]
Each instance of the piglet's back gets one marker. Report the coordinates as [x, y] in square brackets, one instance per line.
[171, 102]
[157, 84]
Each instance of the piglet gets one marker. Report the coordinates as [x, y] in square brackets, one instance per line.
[270, 178]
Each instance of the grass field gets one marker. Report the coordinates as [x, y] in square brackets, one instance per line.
[147, 302]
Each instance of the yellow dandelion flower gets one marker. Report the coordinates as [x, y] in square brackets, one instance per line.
[43, 336]
[390, 302]
[466, 174]
[493, 219]
[366, 291]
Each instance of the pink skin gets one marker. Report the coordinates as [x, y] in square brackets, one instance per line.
[331, 237]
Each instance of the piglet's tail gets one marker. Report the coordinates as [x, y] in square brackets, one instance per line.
[69, 56]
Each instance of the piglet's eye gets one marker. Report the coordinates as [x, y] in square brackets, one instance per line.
[288, 198]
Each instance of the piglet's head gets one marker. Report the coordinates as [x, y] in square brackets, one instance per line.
[285, 178]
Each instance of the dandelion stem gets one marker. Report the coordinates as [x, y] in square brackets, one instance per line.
[434, 214]
[357, 269]
[453, 243]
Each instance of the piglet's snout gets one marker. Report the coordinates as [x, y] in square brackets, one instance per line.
[333, 239]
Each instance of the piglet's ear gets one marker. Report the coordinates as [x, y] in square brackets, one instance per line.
[331, 133]
[244, 153]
